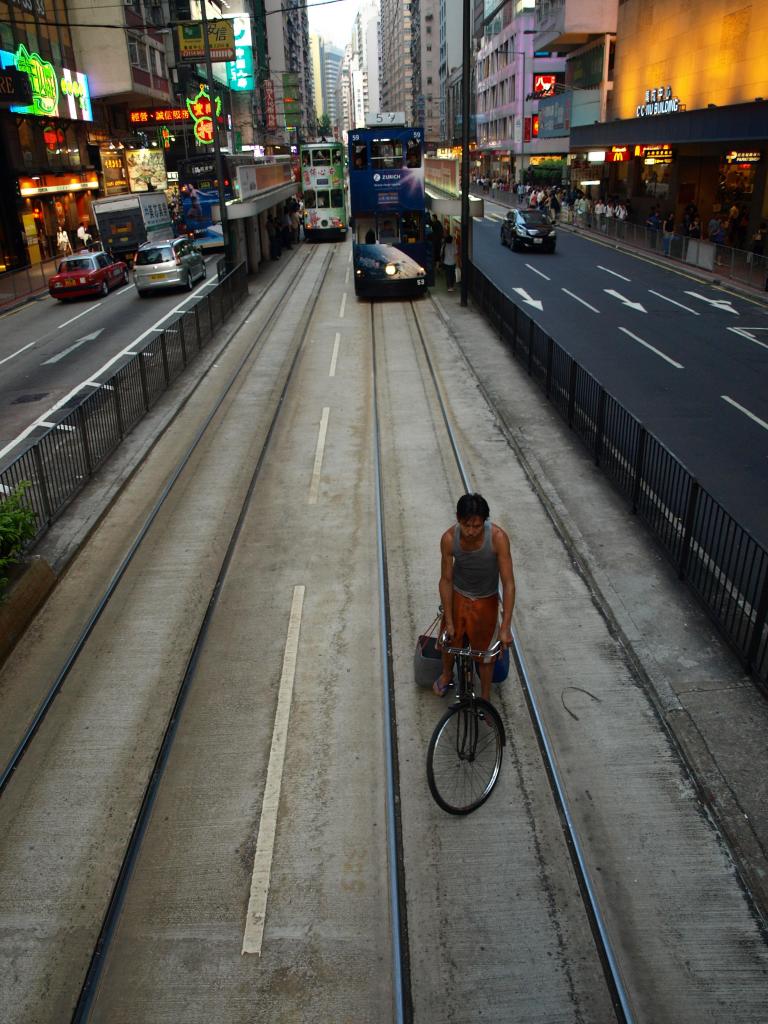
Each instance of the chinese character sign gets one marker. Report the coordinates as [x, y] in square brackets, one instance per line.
[221, 41]
[200, 112]
[270, 112]
[240, 70]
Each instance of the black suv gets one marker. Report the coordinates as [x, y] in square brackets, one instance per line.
[528, 229]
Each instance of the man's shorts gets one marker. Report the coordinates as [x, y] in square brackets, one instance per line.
[477, 617]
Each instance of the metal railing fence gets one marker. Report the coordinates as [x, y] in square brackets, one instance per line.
[60, 462]
[726, 568]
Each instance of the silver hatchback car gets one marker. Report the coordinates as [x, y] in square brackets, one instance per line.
[172, 264]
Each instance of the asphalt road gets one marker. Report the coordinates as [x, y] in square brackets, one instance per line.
[50, 349]
[688, 359]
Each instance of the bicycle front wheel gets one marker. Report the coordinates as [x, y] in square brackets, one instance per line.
[464, 756]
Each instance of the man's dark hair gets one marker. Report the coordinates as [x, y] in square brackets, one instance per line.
[472, 505]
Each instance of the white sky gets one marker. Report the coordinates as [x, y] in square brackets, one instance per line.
[333, 21]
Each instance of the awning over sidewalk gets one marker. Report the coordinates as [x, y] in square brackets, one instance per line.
[742, 122]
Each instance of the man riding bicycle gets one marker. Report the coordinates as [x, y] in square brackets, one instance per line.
[475, 554]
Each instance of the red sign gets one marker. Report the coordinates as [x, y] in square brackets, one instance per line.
[535, 125]
[270, 112]
[527, 130]
[159, 115]
[544, 85]
[617, 155]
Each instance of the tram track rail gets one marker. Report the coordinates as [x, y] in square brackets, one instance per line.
[122, 880]
[77, 647]
[602, 942]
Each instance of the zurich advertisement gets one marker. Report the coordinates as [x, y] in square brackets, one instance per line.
[386, 183]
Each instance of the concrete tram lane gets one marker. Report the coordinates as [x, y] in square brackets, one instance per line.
[317, 945]
[70, 806]
[496, 927]
[623, 662]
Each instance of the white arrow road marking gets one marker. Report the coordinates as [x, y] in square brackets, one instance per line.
[627, 302]
[748, 333]
[582, 301]
[640, 341]
[538, 272]
[527, 298]
[77, 344]
[746, 412]
[614, 273]
[724, 304]
[674, 302]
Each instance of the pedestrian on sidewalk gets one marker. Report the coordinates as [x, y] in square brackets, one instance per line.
[437, 239]
[668, 232]
[448, 259]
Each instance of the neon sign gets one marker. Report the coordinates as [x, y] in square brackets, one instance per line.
[54, 94]
[200, 111]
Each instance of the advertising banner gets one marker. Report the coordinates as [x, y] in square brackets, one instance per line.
[114, 171]
[555, 116]
[386, 183]
[146, 170]
[221, 41]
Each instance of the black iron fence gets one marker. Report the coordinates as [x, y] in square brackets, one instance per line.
[60, 462]
[724, 566]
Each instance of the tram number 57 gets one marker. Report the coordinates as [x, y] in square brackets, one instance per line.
[384, 117]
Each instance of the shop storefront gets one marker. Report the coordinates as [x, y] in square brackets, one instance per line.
[713, 159]
[47, 178]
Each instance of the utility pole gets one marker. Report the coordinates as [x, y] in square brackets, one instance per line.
[216, 145]
[465, 83]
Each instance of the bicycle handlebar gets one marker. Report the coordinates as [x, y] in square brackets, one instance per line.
[494, 649]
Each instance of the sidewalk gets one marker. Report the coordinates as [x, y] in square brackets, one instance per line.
[713, 277]
[712, 711]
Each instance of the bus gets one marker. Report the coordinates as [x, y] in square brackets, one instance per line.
[322, 186]
[391, 250]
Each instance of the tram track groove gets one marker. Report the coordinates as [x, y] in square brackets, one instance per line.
[78, 645]
[611, 972]
[111, 917]
[603, 945]
[244, 365]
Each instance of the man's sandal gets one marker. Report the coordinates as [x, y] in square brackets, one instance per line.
[440, 688]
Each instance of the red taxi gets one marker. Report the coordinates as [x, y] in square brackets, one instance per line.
[87, 273]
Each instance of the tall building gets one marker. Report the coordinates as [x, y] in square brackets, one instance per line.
[331, 65]
[290, 70]
[345, 119]
[364, 62]
[425, 59]
[316, 60]
[396, 82]
[450, 58]
[687, 121]
[512, 76]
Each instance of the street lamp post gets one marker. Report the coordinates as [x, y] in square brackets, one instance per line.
[215, 133]
[465, 82]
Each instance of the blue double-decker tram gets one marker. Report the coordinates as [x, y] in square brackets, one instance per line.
[390, 250]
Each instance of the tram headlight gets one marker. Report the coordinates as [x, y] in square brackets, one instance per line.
[391, 269]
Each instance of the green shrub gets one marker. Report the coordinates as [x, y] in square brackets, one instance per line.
[18, 524]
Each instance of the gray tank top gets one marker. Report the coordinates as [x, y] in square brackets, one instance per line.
[475, 573]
